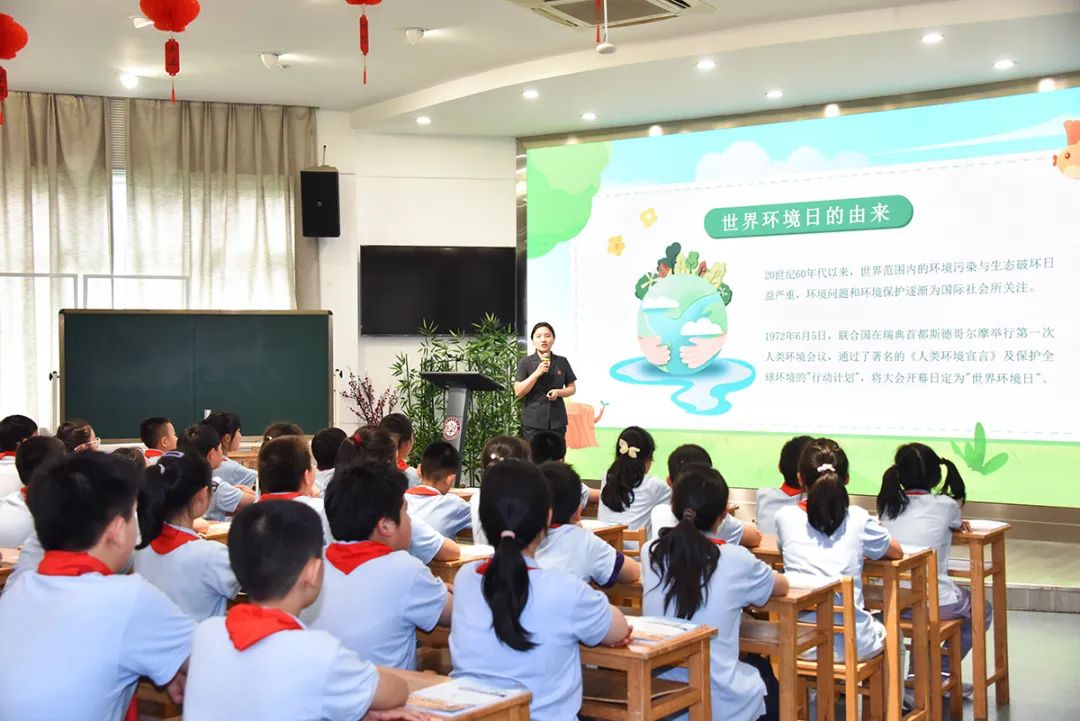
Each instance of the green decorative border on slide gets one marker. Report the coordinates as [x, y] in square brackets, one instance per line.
[748, 460]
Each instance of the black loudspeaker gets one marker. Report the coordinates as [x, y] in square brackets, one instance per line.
[320, 213]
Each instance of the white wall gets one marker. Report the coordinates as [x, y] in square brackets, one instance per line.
[405, 190]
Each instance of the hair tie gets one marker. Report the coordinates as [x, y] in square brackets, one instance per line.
[625, 449]
[508, 534]
[689, 514]
[826, 467]
[161, 469]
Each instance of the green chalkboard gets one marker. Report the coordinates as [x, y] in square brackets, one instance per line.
[119, 367]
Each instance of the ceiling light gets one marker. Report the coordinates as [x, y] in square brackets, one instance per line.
[706, 64]
[1004, 64]
[530, 93]
[932, 38]
[423, 120]
[129, 80]
[1047, 85]
[588, 116]
[270, 61]
[832, 110]
[414, 35]
[774, 94]
[655, 131]
[140, 22]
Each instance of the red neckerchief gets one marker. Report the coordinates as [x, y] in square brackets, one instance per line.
[553, 526]
[402, 465]
[7, 454]
[71, 563]
[802, 505]
[24, 490]
[423, 491]
[347, 557]
[279, 496]
[719, 541]
[789, 491]
[916, 493]
[248, 624]
[154, 453]
[171, 539]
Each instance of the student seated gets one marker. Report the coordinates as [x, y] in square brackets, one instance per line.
[515, 623]
[375, 595]
[287, 473]
[134, 455]
[324, 446]
[281, 428]
[400, 429]
[13, 431]
[78, 436]
[690, 574]
[571, 548]
[629, 493]
[16, 523]
[158, 435]
[431, 501]
[227, 426]
[496, 450]
[84, 635]
[731, 530]
[190, 570]
[225, 500]
[259, 661]
[771, 500]
[551, 446]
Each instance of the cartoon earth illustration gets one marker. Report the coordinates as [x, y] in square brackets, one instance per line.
[682, 323]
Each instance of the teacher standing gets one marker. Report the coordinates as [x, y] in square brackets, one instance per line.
[543, 379]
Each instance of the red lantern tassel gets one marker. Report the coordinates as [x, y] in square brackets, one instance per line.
[364, 41]
[172, 62]
[3, 92]
[599, 11]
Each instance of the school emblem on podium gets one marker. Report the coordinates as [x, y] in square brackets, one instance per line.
[451, 428]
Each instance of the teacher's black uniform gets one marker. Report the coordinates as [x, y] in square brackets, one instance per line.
[540, 414]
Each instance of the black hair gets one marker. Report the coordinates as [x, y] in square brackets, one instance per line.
[224, 422]
[283, 461]
[565, 485]
[369, 444]
[14, 430]
[362, 494]
[132, 455]
[398, 426]
[35, 452]
[168, 488]
[685, 455]
[916, 467]
[789, 460]
[503, 448]
[538, 326]
[627, 472]
[76, 498]
[74, 433]
[152, 430]
[547, 446]
[440, 460]
[199, 439]
[823, 468]
[324, 446]
[278, 429]
[269, 545]
[683, 558]
[514, 498]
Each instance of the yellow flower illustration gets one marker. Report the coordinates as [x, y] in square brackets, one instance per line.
[615, 245]
[648, 218]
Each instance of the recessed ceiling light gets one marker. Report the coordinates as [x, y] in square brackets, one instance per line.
[129, 80]
[832, 110]
[932, 38]
[530, 93]
[774, 94]
[706, 64]
[423, 120]
[588, 116]
[140, 22]
[1004, 64]
[1047, 85]
[655, 131]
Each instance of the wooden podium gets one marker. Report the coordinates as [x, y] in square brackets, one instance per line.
[459, 388]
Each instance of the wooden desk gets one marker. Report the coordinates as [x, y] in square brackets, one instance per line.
[247, 459]
[464, 494]
[515, 708]
[638, 662]
[446, 570]
[983, 534]
[8, 558]
[610, 533]
[218, 531]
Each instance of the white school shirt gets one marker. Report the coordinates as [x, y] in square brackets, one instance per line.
[412, 476]
[236, 474]
[196, 576]
[30, 556]
[448, 514]
[223, 500]
[767, 502]
[425, 541]
[648, 495]
[811, 559]
[474, 511]
[581, 553]
[376, 609]
[9, 475]
[928, 522]
[299, 675]
[16, 523]
[561, 613]
[730, 530]
[322, 478]
[740, 580]
[82, 644]
[315, 504]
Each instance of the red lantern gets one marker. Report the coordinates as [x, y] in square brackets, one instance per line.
[171, 16]
[364, 38]
[13, 38]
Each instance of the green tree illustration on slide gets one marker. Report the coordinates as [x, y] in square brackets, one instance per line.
[974, 453]
[562, 183]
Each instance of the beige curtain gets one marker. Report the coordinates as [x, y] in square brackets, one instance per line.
[54, 218]
[212, 190]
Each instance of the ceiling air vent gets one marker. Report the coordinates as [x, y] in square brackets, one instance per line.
[582, 13]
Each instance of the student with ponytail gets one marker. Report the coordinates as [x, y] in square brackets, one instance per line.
[193, 572]
[917, 516]
[822, 538]
[690, 574]
[515, 623]
[496, 450]
[629, 494]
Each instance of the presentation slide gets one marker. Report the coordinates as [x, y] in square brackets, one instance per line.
[878, 278]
